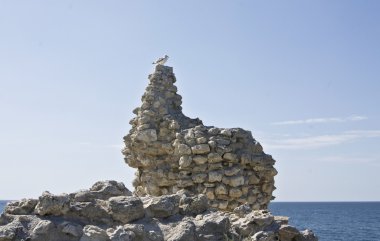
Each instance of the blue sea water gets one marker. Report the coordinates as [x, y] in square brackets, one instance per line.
[2, 205]
[331, 221]
[334, 221]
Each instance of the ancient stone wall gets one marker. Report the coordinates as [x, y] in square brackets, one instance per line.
[173, 152]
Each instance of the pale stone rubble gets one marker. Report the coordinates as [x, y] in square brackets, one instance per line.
[109, 212]
[173, 152]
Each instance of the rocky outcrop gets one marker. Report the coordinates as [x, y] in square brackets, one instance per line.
[173, 152]
[193, 183]
[109, 212]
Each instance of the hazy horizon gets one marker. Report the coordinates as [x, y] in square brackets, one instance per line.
[304, 77]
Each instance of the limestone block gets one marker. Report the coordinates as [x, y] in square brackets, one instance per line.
[165, 182]
[189, 134]
[166, 148]
[235, 192]
[125, 208]
[184, 231]
[215, 176]
[245, 189]
[233, 181]
[49, 204]
[261, 217]
[213, 226]
[184, 149]
[253, 179]
[222, 141]
[215, 166]
[185, 174]
[185, 161]
[156, 104]
[223, 205]
[232, 205]
[270, 172]
[145, 105]
[23, 207]
[136, 111]
[200, 168]
[307, 235]
[221, 189]
[94, 233]
[143, 127]
[43, 227]
[199, 159]
[148, 135]
[232, 171]
[213, 131]
[70, 228]
[243, 210]
[224, 197]
[245, 159]
[163, 206]
[288, 233]
[281, 220]
[185, 183]
[193, 205]
[199, 178]
[198, 133]
[209, 184]
[120, 234]
[221, 149]
[200, 149]
[174, 125]
[214, 157]
[212, 144]
[232, 157]
[106, 189]
[94, 209]
[144, 120]
[201, 140]
[267, 187]
[200, 188]
[210, 193]
[226, 132]
[243, 199]
[200, 128]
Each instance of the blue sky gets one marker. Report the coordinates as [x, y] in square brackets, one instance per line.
[303, 76]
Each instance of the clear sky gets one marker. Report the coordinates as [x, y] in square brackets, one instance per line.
[303, 76]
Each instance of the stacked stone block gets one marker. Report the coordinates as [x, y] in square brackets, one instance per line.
[173, 152]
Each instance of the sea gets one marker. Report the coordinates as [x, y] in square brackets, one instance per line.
[330, 221]
[333, 221]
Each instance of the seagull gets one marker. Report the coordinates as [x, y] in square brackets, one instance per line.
[162, 60]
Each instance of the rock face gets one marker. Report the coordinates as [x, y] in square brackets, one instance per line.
[108, 212]
[173, 152]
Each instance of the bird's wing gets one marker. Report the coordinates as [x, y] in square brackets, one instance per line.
[159, 60]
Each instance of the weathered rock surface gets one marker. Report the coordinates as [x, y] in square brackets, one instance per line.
[177, 217]
[173, 152]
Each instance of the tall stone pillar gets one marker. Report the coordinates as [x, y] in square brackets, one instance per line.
[173, 152]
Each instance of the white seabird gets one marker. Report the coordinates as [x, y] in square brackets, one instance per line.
[162, 60]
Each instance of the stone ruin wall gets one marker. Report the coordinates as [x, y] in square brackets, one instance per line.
[173, 152]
